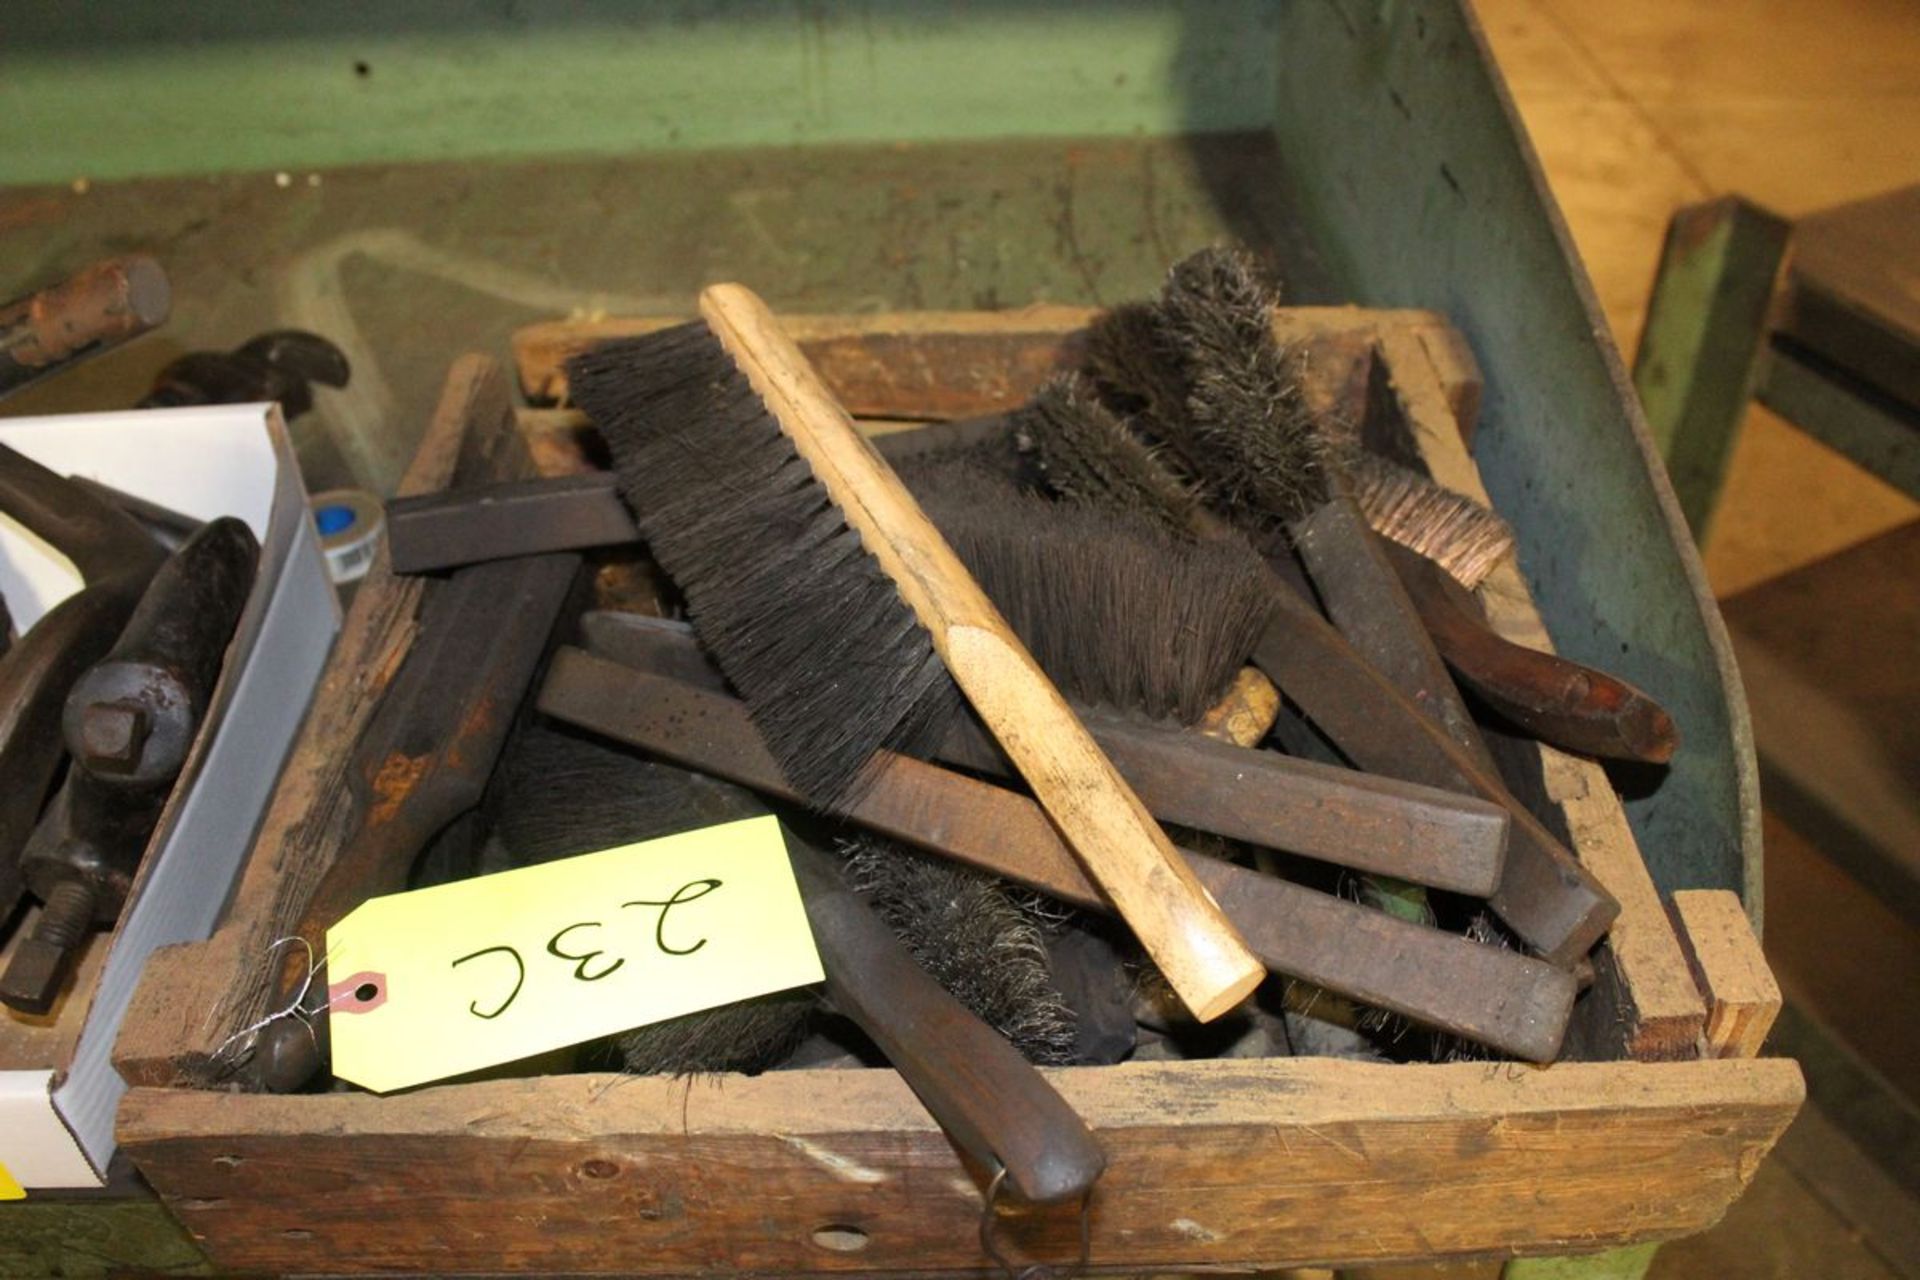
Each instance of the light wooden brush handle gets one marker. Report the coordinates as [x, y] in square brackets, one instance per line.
[1123, 850]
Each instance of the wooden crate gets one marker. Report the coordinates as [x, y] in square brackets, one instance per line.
[1214, 1165]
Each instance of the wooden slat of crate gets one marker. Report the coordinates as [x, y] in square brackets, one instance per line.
[1212, 1164]
[1731, 971]
[955, 364]
[1229, 1164]
[1645, 999]
[192, 998]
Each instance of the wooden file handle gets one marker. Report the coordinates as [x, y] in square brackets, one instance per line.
[1557, 700]
[1359, 820]
[1501, 998]
[1124, 851]
[991, 1101]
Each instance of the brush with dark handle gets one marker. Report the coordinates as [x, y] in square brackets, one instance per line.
[1216, 389]
[1545, 896]
[559, 793]
[1202, 957]
[1365, 599]
[1357, 586]
[1555, 905]
[1500, 998]
[1355, 820]
[433, 532]
[422, 761]
[1558, 701]
[991, 1101]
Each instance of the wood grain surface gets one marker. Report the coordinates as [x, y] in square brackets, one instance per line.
[1646, 1005]
[1742, 997]
[935, 365]
[1211, 1164]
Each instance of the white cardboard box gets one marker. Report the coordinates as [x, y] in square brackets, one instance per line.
[58, 1089]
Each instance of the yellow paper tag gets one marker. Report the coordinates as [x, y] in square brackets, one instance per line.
[447, 980]
[9, 1188]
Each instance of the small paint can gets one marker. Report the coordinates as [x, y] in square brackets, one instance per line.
[350, 523]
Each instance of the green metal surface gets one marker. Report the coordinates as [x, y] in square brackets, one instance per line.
[1616, 1264]
[1875, 432]
[199, 86]
[1394, 141]
[1705, 342]
[1417, 184]
[88, 1237]
[408, 266]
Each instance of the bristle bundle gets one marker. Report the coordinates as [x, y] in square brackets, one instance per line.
[558, 793]
[1113, 608]
[1246, 432]
[1089, 457]
[970, 933]
[1463, 537]
[1131, 367]
[798, 614]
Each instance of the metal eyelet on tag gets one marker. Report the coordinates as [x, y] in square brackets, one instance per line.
[362, 993]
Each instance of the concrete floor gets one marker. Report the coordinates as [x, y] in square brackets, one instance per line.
[1637, 107]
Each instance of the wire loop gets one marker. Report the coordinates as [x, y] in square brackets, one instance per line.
[989, 1215]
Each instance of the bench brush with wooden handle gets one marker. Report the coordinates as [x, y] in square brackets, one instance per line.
[845, 620]
[1228, 405]
[1129, 618]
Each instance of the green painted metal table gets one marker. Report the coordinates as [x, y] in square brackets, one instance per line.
[420, 180]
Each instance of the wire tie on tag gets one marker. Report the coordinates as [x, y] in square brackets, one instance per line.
[989, 1215]
[293, 1008]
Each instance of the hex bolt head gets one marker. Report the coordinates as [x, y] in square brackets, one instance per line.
[112, 735]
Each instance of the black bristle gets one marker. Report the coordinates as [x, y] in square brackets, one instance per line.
[1132, 370]
[748, 1036]
[1247, 433]
[561, 793]
[832, 663]
[972, 933]
[1088, 456]
[985, 444]
[1115, 610]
